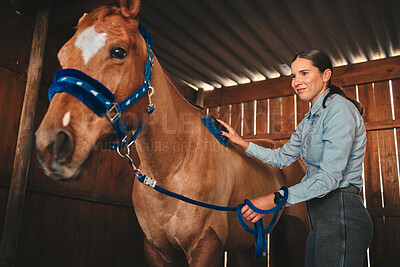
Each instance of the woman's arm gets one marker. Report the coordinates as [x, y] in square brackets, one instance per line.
[279, 158]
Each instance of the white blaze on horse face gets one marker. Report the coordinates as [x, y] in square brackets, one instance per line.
[66, 119]
[89, 42]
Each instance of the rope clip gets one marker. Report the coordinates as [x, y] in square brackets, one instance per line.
[149, 181]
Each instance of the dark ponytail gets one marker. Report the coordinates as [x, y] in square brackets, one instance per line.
[321, 61]
[333, 89]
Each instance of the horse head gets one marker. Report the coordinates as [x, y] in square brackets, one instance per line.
[107, 49]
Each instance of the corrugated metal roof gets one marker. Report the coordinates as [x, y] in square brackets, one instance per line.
[226, 42]
[214, 43]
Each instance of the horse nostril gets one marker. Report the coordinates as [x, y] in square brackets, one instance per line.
[63, 147]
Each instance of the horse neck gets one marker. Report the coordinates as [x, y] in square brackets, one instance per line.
[161, 146]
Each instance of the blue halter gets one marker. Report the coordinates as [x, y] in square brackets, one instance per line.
[100, 99]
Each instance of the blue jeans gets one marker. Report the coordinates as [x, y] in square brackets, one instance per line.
[341, 229]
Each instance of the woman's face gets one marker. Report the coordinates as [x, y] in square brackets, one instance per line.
[307, 81]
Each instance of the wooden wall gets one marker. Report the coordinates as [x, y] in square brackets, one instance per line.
[91, 222]
[376, 85]
[87, 222]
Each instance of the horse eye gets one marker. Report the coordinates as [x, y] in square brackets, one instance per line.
[118, 52]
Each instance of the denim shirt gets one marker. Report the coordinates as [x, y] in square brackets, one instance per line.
[331, 142]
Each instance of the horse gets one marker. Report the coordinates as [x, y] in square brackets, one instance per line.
[174, 148]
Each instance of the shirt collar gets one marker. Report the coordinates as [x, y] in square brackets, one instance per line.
[318, 104]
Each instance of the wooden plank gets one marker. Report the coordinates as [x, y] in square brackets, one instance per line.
[262, 117]
[34, 206]
[3, 204]
[390, 181]
[398, 141]
[273, 136]
[112, 216]
[382, 125]
[18, 29]
[352, 74]
[8, 26]
[383, 69]
[11, 100]
[366, 96]
[12, 65]
[68, 232]
[387, 146]
[276, 114]
[396, 97]
[12, 223]
[83, 239]
[236, 117]
[53, 213]
[374, 197]
[288, 109]
[350, 91]
[246, 92]
[248, 118]
[389, 171]
[98, 213]
[224, 113]
[372, 171]
[302, 108]
[382, 101]
[386, 211]
[392, 240]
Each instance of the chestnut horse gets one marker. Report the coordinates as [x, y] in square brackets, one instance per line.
[174, 148]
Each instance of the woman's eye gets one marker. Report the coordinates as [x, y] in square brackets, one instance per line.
[305, 73]
[118, 52]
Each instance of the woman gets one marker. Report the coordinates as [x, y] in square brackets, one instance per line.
[331, 141]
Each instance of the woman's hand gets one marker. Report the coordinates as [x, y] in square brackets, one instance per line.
[264, 202]
[233, 136]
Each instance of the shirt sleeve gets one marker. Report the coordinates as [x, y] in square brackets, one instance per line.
[338, 136]
[280, 157]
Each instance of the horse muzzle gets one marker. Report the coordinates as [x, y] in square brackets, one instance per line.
[55, 148]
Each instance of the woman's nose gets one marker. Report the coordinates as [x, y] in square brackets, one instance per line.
[296, 81]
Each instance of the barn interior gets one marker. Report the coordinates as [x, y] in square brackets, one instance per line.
[232, 59]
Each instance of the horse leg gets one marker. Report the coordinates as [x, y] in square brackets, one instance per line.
[288, 241]
[157, 258]
[243, 258]
[208, 251]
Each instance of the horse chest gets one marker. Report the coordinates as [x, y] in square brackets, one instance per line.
[164, 219]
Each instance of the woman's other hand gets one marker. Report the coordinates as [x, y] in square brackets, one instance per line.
[264, 202]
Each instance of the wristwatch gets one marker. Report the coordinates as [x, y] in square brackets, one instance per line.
[278, 198]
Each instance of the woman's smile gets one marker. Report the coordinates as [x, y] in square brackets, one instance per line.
[307, 81]
[300, 90]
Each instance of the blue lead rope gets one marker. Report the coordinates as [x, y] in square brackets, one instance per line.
[259, 230]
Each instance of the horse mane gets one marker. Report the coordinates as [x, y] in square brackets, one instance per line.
[98, 14]
[169, 79]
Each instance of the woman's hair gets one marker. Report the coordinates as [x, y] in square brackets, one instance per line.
[321, 61]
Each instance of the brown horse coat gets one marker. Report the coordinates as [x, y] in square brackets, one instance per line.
[174, 148]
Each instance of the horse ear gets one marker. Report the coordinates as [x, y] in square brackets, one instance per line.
[129, 8]
[83, 16]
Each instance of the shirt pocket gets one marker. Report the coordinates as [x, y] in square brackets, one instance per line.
[315, 148]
